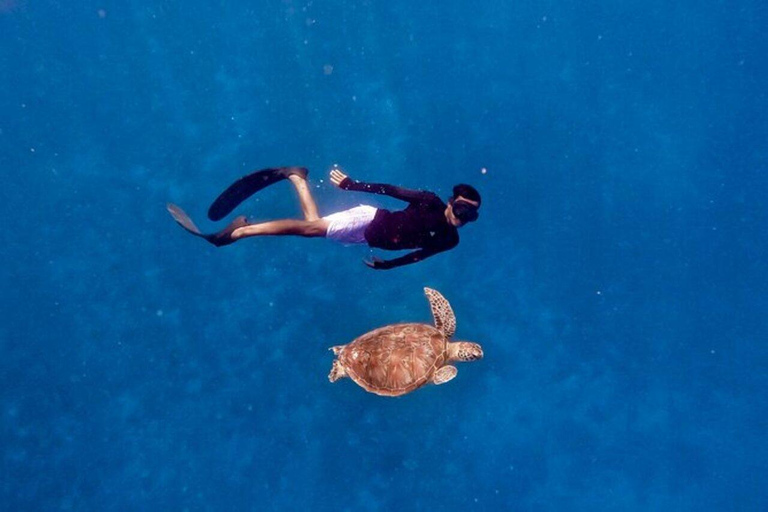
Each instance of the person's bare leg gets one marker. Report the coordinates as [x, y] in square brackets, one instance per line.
[311, 226]
[308, 206]
[308, 228]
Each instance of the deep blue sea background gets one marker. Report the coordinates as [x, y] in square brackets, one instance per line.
[616, 278]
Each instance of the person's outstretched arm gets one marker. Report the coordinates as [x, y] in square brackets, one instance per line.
[343, 181]
[411, 257]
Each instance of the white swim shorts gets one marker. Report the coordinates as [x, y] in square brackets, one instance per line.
[348, 227]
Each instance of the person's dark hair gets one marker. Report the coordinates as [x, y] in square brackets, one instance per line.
[467, 192]
[463, 210]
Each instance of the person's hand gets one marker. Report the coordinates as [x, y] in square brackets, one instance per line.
[376, 263]
[337, 176]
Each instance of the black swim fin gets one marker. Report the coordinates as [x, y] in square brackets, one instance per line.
[248, 185]
[223, 237]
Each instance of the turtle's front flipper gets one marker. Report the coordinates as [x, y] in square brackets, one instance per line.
[445, 320]
[337, 371]
[444, 374]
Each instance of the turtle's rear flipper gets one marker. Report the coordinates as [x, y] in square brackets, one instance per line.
[337, 371]
[248, 185]
[223, 237]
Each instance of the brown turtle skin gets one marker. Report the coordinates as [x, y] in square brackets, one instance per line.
[395, 359]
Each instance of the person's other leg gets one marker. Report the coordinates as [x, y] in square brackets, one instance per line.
[248, 185]
[308, 206]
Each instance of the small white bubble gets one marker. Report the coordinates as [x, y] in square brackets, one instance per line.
[483, 171]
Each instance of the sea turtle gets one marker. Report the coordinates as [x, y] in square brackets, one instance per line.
[396, 359]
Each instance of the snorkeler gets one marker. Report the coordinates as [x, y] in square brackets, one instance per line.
[426, 224]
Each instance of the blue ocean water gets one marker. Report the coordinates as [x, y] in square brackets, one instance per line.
[616, 277]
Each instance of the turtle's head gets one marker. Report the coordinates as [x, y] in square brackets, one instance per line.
[464, 351]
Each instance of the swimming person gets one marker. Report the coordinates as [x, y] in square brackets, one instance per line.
[427, 224]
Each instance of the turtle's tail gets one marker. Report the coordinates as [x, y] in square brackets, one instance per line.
[337, 371]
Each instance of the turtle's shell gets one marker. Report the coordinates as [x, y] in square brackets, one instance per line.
[395, 359]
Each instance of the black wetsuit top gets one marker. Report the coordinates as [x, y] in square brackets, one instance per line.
[422, 225]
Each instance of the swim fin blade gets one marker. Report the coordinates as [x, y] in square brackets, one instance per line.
[183, 219]
[248, 185]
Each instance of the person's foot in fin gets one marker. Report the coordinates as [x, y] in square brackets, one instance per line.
[248, 185]
[285, 172]
[223, 237]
